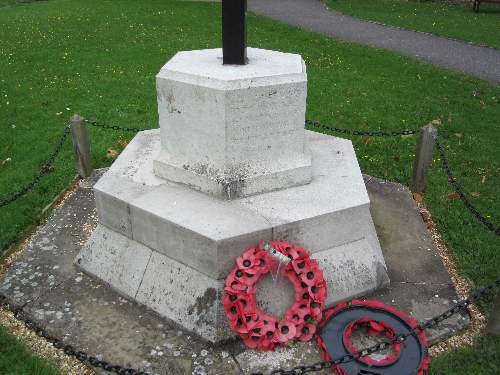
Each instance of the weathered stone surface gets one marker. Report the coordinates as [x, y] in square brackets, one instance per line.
[115, 260]
[192, 299]
[299, 353]
[94, 319]
[420, 284]
[207, 233]
[126, 333]
[46, 261]
[128, 178]
[233, 131]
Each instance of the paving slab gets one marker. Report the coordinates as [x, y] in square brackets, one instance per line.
[93, 317]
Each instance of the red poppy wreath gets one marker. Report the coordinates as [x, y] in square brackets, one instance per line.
[258, 329]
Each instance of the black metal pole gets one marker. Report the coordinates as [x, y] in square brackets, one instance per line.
[234, 32]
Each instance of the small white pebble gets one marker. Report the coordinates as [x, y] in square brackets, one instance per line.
[78, 279]
[176, 353]
[224, 355]
[208, 361]
[204, 353]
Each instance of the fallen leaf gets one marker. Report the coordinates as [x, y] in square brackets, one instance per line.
[475, 194]
[111, 153]
[452, 196]
[436, 121]
[59, 113]
[483, 180]
[6, 161]
[459, 135]
[122, 142]
[367, 141]
[417, 197]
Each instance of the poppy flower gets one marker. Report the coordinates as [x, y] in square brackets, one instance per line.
[286, 331]
[316, 308]
[311, 276]
[254, 326]
[297, 253]
[232, 310]
[296, 314]
[318, 291]
[248, 262]
[235, 284]
[306, 332]
[269, 335]
[252, 341]
[299, 265]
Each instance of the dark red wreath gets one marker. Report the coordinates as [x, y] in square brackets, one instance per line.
[375, 328]
[258, 329]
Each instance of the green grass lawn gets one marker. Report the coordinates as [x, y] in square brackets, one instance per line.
[15, 359]
[453, 19]
[99, 58]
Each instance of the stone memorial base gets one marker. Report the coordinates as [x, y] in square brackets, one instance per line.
[169, 247]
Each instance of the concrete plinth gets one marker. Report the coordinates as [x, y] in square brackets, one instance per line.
[169, 247]
[232, 130]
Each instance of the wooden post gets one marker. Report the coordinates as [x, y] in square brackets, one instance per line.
[81, 146]
[494, 320]
[423, 158]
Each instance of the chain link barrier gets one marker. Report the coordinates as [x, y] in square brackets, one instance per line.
[364, 133]
[297, 370]
[46, 168]
[459, 190]
[66, 348]
[455, 309]
[102, 125]
[444, 160]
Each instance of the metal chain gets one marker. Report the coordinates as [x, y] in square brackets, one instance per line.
[66, 348]
[302, 369]
[458, 189]
[45, 169]
[377, 133]
[318, 366]
[98, 124]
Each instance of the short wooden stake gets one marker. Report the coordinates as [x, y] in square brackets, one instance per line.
[81, 146]
[494, 320]
[423, 158]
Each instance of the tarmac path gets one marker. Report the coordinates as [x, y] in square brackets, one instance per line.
[313, 15]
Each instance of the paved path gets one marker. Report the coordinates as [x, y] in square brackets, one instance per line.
[312, 15]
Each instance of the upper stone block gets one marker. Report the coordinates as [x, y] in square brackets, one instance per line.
[233, 131]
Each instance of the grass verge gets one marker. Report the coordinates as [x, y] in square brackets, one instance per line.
[454, 19]
[15, 359]
[99, 59]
